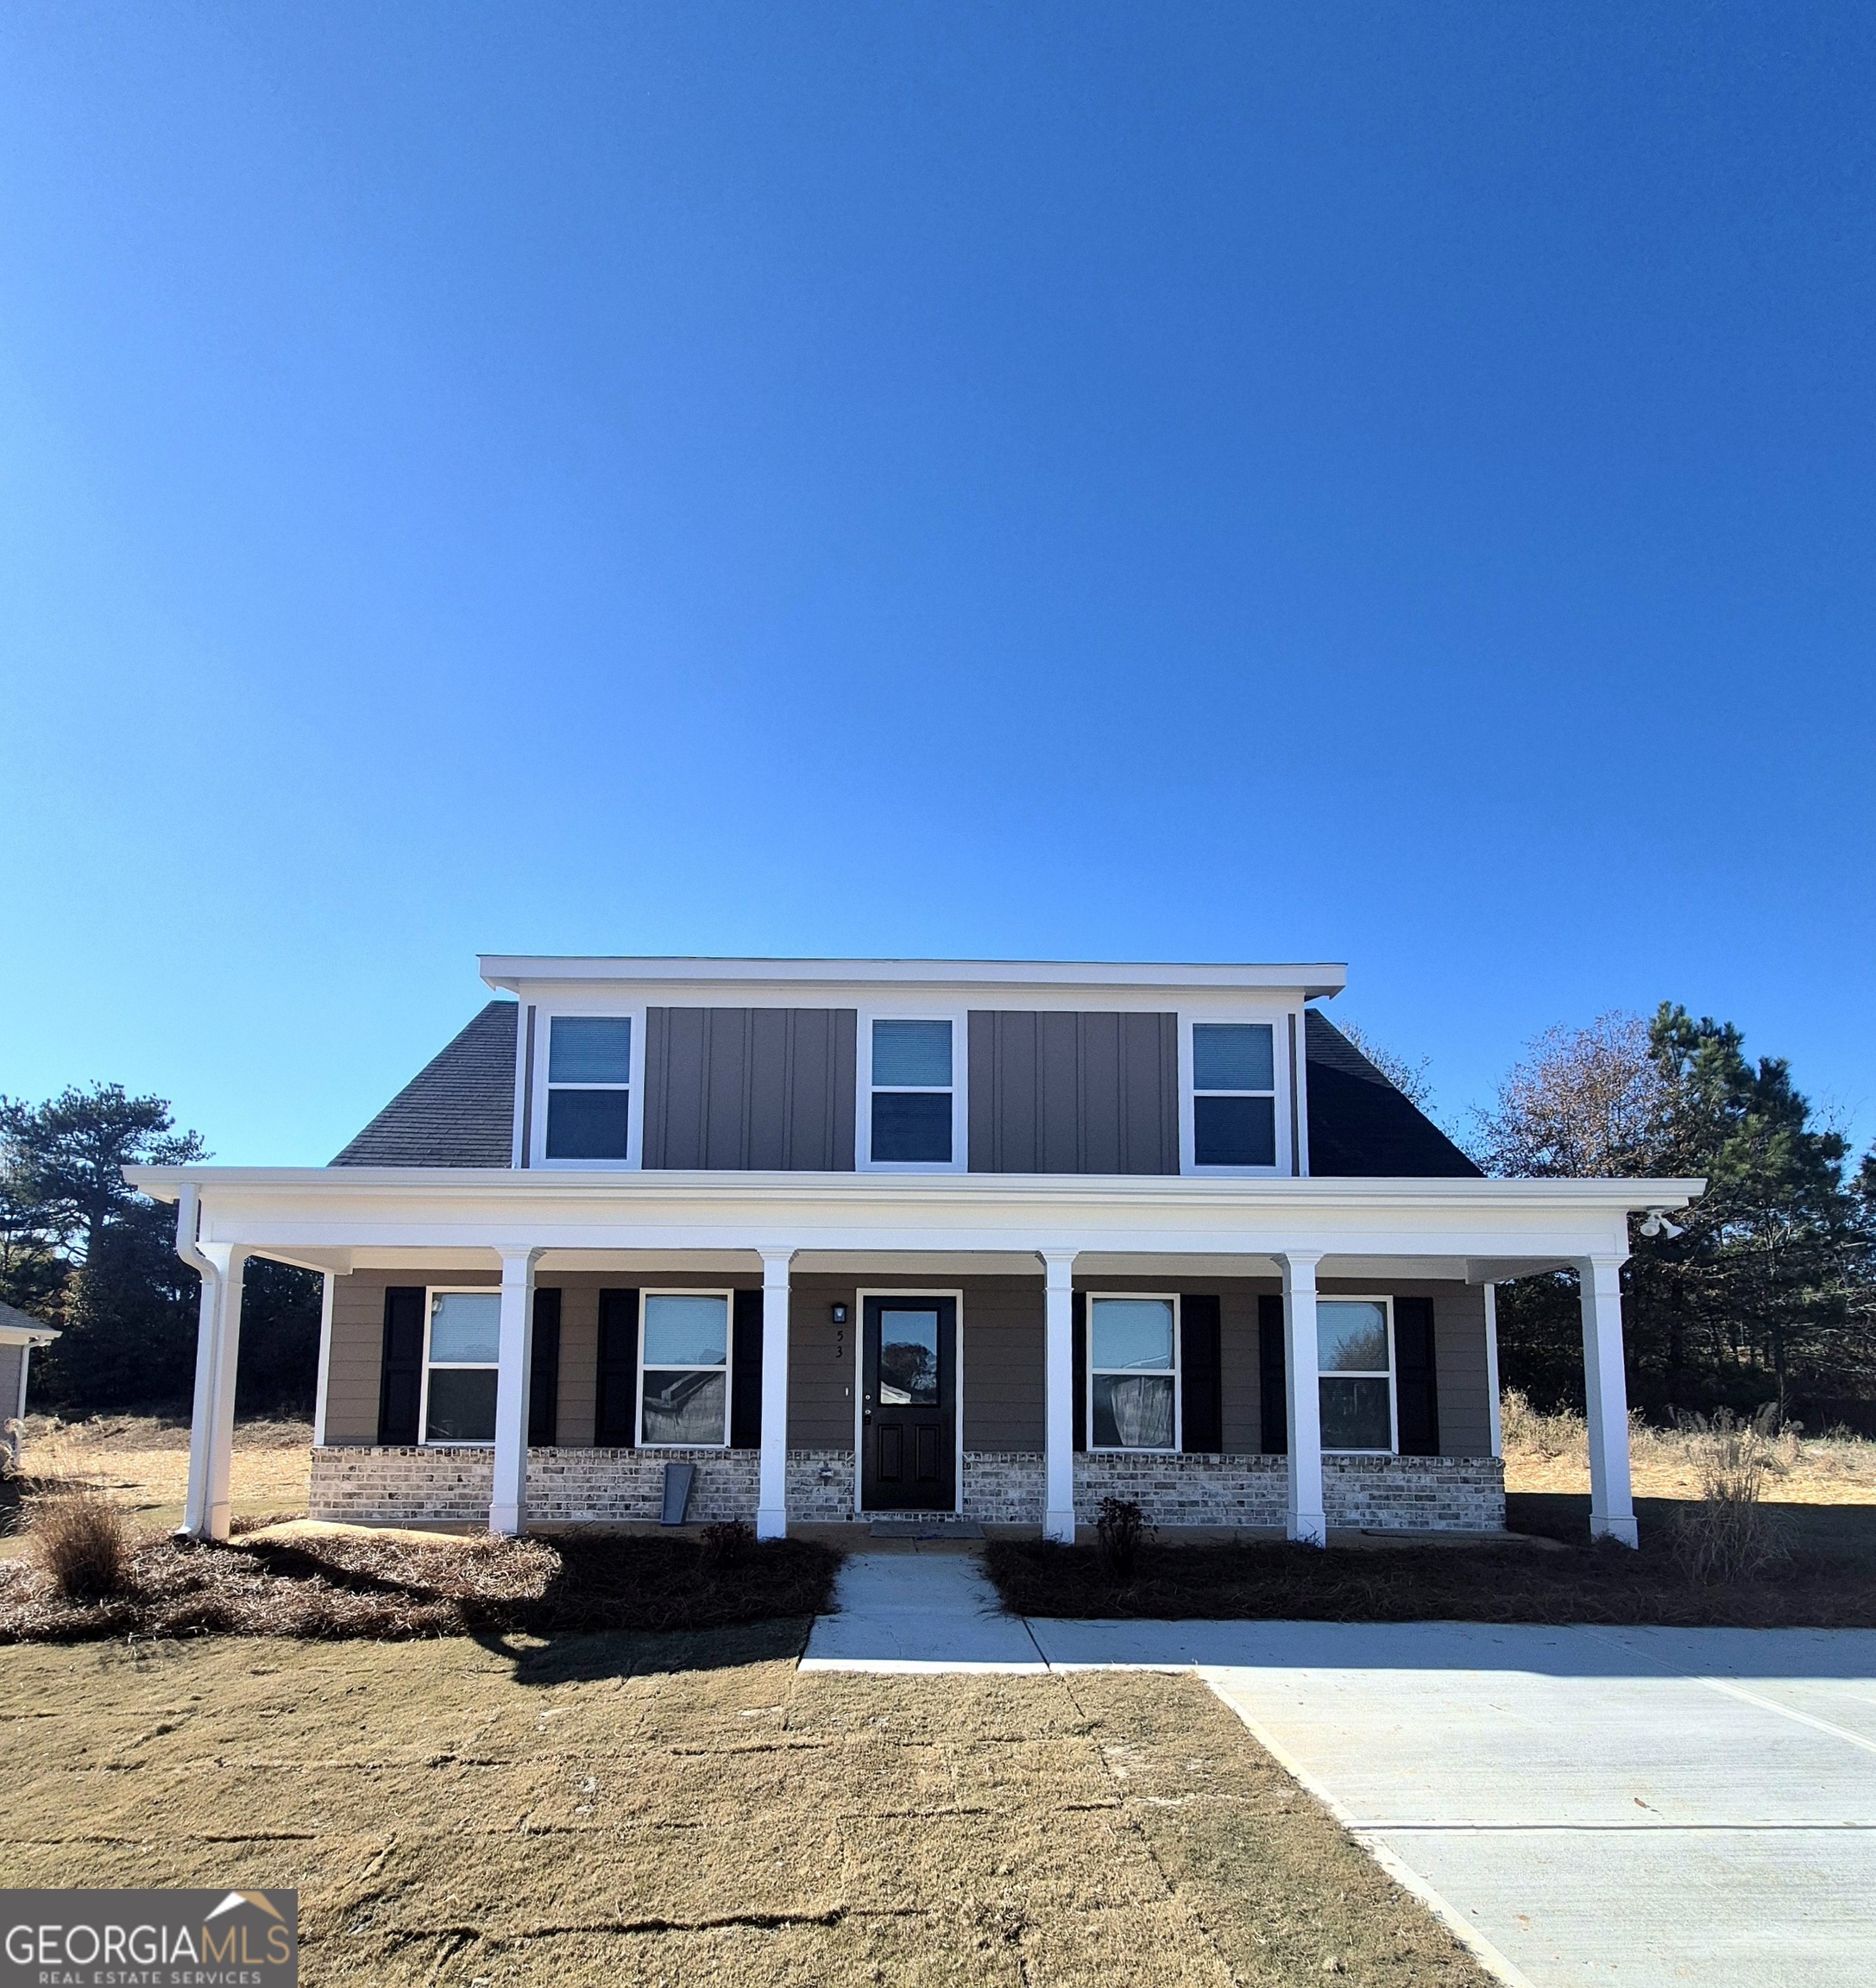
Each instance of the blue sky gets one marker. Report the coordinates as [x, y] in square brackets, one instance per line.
[1170, 482]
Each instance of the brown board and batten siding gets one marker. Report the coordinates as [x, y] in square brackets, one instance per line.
[1073, 1094]
[760, 1088]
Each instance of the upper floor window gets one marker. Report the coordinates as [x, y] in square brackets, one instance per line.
[911, 1091]
[1355, 1357]
[589, 1087]
[1234, 1104]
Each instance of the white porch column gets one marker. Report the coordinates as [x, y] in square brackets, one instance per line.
[1493, 1407]
[772, 1492]
[327, 1285]
[1058, 1398]
[212, 1428]
[507, 1507]
[1612, 1507]
[1303, 1519]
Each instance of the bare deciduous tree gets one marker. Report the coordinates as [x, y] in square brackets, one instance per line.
[1581, 1102]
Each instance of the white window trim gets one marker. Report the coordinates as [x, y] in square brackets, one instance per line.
[544, 1034]
[863, 1072]
[431, 1292]
[1324, 1374]
[859, 1377]
[1273, 1019]
[728, 1368]
[1089, 1300]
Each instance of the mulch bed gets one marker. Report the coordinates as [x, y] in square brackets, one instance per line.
[349, 1586]
[1261, 1581]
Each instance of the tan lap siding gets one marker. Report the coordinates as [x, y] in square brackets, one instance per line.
[1003, 1352]
[357, 1358]
[10, 1357]
[579, 1359]
[820, 1363]
[1002, 1363]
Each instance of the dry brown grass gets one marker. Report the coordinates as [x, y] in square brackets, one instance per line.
[142, 1461]
[1552, 1453]
[697, 1811]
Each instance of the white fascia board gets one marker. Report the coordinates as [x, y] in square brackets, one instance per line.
[27, 1335]
[293, 1210]
[530, 974]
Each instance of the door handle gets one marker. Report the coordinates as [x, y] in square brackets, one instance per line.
[867, 1418]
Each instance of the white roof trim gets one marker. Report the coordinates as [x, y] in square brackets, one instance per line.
[587, 1185]
[510, 972]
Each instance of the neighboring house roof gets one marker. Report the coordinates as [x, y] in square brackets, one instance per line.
[1361, 1127]
[458, 1111]
[19, 1328]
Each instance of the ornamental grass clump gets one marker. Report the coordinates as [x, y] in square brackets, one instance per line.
[80, 1540]
[1726, 1535]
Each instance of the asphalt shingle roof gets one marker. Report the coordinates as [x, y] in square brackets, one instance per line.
[458, 1111]
[1361, 1127]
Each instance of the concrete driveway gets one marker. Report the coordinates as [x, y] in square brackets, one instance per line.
[1642, 1805]
[1651, 1806]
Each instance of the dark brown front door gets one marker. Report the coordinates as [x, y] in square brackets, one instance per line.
[908, 1404]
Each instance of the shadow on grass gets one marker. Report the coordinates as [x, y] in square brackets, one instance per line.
[1845, 1533]
[583, 1656]
[1604, 1584]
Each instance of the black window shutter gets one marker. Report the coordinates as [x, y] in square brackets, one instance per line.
[1416, 1386]
[1078, 1332]
[400, 1382]
[1273, 1409]
[615, 1408]
[1201, 1394]
[543, 1372]
[746, 1372]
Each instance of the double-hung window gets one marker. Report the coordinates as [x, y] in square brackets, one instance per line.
[911, 1102]
[462, 1344]
[589, 1087]
[1133, 1373]
[1234, 1104]
[684, 1391]
[1354, 1355]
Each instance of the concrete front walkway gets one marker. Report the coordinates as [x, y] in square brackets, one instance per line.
[1652, 1806]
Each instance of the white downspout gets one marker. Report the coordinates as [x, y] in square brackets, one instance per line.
[207, 1347]
[328, 1285]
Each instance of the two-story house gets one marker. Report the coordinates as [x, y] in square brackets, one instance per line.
[860, 1237]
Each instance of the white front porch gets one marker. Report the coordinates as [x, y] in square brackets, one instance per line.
[510, 1231]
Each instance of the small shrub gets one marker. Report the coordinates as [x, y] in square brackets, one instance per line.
[1119, 1529]
[81, 1541]
[1726, 1536]
[729, 1543]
